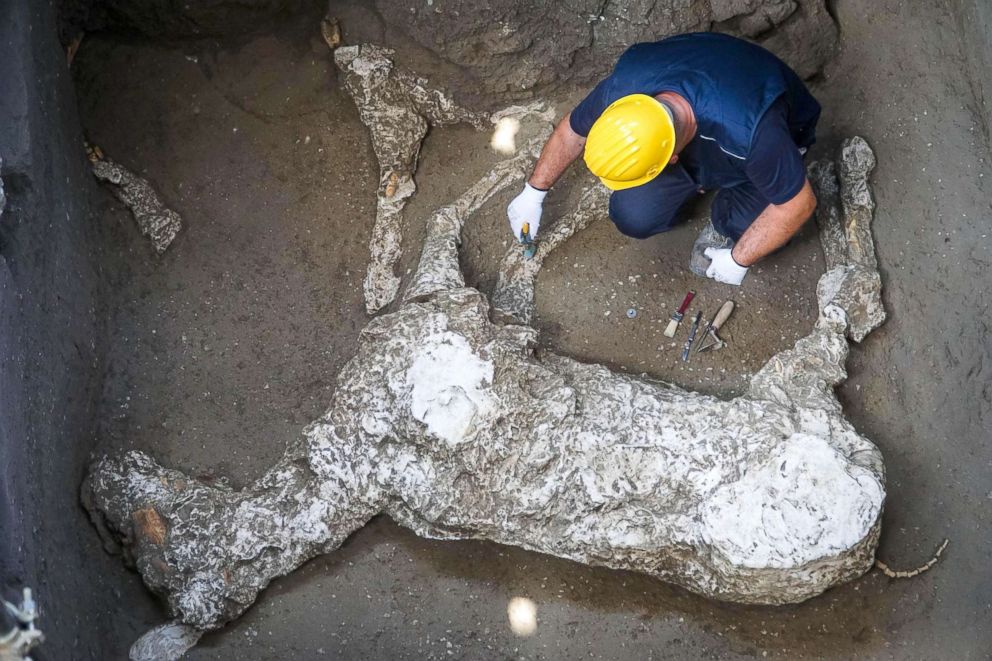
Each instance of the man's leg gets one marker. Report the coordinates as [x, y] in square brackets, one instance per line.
[732, 212]
[653, 207]
[734, 209]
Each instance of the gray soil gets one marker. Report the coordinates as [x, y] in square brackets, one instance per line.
[229, 344]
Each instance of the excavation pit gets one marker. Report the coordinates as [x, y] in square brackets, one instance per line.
[227, 345]
[253, 130]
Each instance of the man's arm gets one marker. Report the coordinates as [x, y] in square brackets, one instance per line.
[561, 149]
[769, 231]
[774, 227]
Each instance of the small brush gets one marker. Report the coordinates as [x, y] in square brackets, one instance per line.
[673, 325]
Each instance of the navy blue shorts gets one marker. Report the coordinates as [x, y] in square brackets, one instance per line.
[654, 207]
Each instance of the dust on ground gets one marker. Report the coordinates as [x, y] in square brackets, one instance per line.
[229, 344]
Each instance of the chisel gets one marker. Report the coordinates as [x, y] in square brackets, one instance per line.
[692, 336]
[673, 325]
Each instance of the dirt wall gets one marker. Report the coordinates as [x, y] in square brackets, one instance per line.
[503, 49]
[975, 18]
[51, 270]
[53, 264]
[497, 50]
[176, 19]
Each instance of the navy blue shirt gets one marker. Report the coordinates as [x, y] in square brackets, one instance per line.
[752, 111]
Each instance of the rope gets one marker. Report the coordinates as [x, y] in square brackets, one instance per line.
[914, 572]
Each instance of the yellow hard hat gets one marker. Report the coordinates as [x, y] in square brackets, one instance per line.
[631, 142]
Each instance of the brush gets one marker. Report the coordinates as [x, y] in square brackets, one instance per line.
[673, 325]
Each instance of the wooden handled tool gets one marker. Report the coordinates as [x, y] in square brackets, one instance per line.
[692, 336]
[721, 316]
[710, 341]
[530, 248]
[673, 325]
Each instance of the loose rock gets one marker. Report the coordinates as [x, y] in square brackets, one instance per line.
[155, 220]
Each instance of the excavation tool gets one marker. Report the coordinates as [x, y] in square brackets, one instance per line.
[710, 341]
[525, 238]
[673, 325]
[692, 336]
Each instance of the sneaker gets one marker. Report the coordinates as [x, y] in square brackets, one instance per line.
[708, 238]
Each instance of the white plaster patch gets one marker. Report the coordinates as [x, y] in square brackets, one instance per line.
[807, 501]
[504, 140]
[449, 388]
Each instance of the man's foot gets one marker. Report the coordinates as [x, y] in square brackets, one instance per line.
[708, 238]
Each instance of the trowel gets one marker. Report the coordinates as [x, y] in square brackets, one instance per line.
[530, 247]
[710, 341]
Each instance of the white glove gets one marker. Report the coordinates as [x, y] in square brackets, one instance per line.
[526, 208]
[723, 267]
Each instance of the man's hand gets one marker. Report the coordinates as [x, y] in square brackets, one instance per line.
[723, 268]
[526, 208]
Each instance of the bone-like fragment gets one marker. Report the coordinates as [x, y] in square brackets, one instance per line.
[221, 546]
[166, 642]
[844, 214]
[24, 635]
[155, 220]
[330, 30]
[397, 107]
[856, 160]
[448, 423]
[823, 177]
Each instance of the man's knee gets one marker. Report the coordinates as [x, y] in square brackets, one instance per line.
[639, 221]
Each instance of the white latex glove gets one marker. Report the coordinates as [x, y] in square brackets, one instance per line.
[526, 208]
[723, 268]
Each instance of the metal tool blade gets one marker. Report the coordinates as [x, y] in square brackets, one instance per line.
[692, 336]
[710, 341]
[530, 247]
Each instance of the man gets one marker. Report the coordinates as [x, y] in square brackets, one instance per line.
[682, 116]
